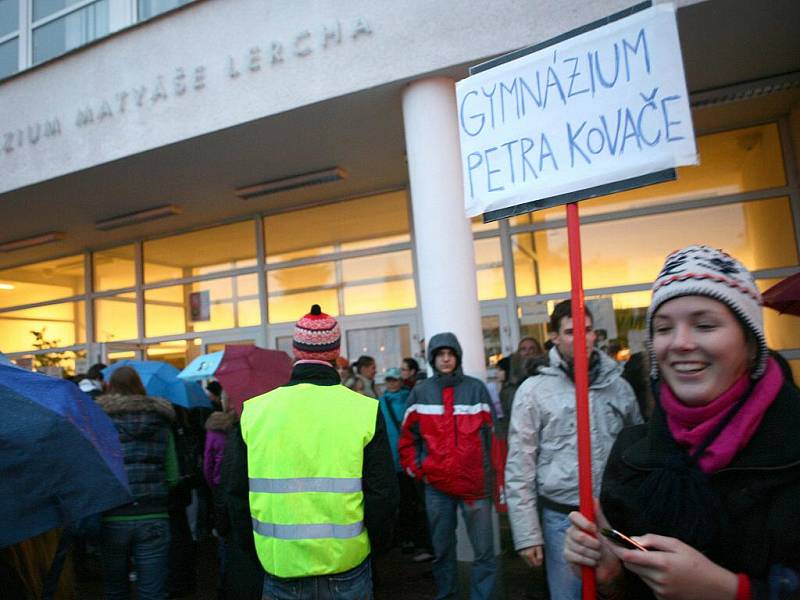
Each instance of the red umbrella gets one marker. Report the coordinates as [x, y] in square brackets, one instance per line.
[247, 371]
[784, 296]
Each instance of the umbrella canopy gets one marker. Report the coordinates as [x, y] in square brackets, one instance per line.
[60, 456]
[784, 296]
[202, 367]
[247, 371]
[161, 379]
[4, 360]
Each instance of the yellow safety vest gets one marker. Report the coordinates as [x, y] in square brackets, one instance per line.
[305, 453]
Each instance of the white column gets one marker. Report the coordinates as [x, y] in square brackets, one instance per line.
[445, 254]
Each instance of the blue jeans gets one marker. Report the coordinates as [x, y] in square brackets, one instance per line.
[355, 584]
[441, 509]
[147, 541]
[561, 579]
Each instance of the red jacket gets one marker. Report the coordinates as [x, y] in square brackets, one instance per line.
[446, 436]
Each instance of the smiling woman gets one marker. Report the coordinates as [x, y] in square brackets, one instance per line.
[716, 472]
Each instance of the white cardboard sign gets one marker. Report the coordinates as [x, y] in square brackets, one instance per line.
[601, 107]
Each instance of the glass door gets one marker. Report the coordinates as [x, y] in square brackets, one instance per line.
[497, 336]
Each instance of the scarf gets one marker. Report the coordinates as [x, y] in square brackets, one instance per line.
[691, 426]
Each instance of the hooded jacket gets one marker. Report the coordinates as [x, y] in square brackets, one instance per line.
[218, 425]
[143, 424]
[542, 465]
[446, 432]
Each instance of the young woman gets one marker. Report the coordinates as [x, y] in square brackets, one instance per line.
[711, 484]
[139, 530]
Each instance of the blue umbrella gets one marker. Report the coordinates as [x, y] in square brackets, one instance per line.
[60, 456]
[4, 360]
[202, 367]
[161, 379]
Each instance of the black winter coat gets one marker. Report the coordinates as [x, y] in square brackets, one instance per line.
[759, 492]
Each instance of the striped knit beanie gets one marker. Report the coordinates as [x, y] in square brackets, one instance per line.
[703, 271]
[316, 336]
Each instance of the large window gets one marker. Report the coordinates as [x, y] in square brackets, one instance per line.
[732, 162]
[62, 25]
[41, 282]
[43, 327]
[231, 302]
[629, 251]
[200, 252]
[151, 8]
[737, 199]
[9, 37]
[34, 31]
[352, 258]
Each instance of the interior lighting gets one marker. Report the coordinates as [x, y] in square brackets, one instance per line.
[37, 240]
[142, 216]
[292, 183]
[6, 286]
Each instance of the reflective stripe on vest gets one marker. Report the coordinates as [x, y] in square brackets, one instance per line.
[305, 453]
[335, 485]
[307, 532]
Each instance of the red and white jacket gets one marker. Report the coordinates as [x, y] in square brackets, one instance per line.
[446, 434]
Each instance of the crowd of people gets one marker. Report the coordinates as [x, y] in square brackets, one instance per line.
[695, 463]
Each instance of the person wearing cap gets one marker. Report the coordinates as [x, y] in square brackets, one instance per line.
[446, 444]
[541, 476]
[318, 473]
[411, 530]
[710, 485]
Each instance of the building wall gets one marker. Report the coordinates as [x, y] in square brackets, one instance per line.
[218, 64]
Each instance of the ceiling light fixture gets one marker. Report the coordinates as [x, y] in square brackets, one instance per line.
[6, 286]
[142, 216]
[36, 240]
[292, 183]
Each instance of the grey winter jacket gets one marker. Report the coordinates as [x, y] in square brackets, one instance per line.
[542, 439]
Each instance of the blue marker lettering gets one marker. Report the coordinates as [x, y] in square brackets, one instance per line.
[573, 146]
[527, 145]
[490, 171]
[473, 116]
[640, 39]
[543, 143]
[667, 122]
[649, 103]
[471, 166]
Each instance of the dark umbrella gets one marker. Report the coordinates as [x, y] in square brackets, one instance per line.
[784, 296]
[60, 456]
[247, 371]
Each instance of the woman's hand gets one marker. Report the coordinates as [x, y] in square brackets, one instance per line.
[583, 547]
[676, 571]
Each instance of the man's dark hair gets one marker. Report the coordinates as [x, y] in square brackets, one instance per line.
[561, 310]
[411, 364]
[363, 361]
[96, 371]
[214, 387]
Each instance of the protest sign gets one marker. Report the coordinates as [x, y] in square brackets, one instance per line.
[558, 124]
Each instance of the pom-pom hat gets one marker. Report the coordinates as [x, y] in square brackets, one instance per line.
[703, 271]
[316, 336]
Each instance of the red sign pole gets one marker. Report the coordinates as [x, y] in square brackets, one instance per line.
[581, 384]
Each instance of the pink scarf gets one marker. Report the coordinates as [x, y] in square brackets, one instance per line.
[690, 425]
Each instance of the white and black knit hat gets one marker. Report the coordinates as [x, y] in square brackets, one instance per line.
[703, 271]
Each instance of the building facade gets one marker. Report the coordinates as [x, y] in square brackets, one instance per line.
[177, 176]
